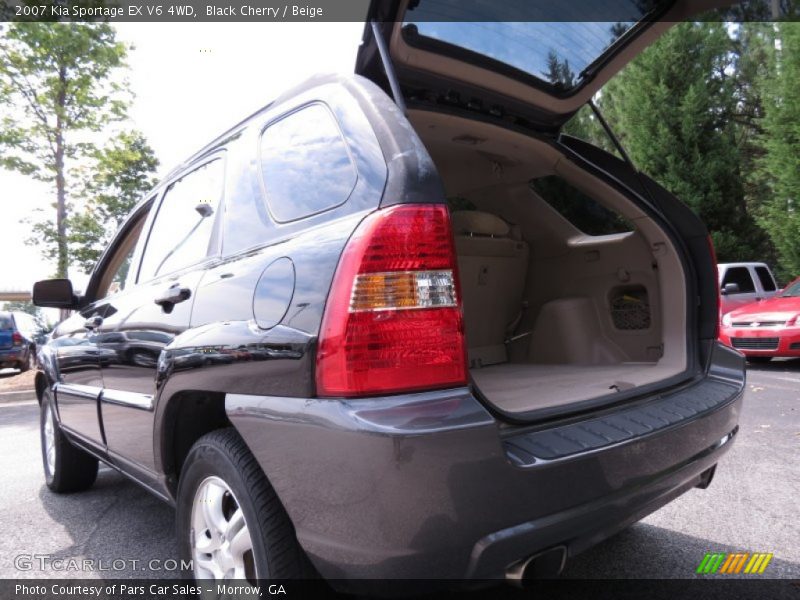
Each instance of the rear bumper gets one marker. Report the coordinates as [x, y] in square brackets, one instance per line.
[11, 357]
[431, 486]
[752, 341]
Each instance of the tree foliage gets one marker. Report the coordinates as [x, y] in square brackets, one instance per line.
[674, 108]
[119, 175]
[28, 307]
[58, 85]
[779, 164]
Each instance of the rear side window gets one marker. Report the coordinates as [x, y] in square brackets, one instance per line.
[586, 214]
[764, 276]
[182, 229]
[741, 277]
[305, 164]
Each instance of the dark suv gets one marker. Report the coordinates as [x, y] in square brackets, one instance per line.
[18, 334]
[426, 338]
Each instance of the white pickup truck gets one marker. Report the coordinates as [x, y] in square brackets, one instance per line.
[743, 283]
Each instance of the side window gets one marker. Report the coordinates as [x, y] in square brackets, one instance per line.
[586, 214]
[182, 229]
[766, 280]
[305, 165]
[741, 277]
[120, 275]
[116, 276]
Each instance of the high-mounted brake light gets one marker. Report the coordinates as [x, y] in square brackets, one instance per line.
[393, 320]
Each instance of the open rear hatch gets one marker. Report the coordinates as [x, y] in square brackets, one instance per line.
[576, 292]
[536, 60]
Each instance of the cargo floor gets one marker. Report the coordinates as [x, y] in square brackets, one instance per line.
[526, 387]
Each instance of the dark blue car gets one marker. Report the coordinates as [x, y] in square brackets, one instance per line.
[18, 333]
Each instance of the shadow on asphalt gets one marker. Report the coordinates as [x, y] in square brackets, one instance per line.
[780, 365]
[115, 519]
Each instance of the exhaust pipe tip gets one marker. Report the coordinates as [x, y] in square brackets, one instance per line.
[706, 477]
[543, 565]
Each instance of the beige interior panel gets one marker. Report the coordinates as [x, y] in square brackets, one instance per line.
[492, 271]
[571, 280]
[517, 388]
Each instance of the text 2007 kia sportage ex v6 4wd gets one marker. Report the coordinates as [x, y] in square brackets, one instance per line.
[432, 341]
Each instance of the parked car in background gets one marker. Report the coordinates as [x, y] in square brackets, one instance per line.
[767, 329]
[743, 283]
[18, 333]
[357, 381]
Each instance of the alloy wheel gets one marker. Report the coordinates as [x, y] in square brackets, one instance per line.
[50, 440]
[221, 544]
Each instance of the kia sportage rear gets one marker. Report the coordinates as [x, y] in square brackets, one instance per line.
[411, 331]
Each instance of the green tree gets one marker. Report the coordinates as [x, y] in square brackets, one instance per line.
[119, 175]
[28, 307]
[674, 109]
[559, 73]
[57, 87]
[25, 306]
[780, 164]
[754, 48]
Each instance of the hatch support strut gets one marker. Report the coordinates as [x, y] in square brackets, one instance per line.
[388, 67]
[622, 153]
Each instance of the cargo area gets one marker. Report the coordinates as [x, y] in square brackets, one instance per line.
[570, 291]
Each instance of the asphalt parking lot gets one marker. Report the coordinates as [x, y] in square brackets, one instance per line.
[751, 506]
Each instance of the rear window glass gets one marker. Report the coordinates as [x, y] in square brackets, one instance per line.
[539, 39]
[5, 323]
[586, 214]
[767, 283]
[741, 277]
[305, 165]
[149, 336]
[792, 290]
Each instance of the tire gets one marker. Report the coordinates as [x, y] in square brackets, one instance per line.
[222, 483]
[69, 469]
[30, 362]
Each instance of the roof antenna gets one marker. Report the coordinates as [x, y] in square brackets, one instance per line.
[388, 67]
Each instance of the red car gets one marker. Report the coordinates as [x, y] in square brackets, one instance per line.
[766, 329]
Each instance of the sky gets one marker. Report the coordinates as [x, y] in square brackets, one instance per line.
[191, 81]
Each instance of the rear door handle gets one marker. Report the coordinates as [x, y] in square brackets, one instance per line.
[93, 322]
[172, 296]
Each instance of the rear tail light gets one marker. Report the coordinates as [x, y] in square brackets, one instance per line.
[16, 338]
[393, 320]
[716, 284]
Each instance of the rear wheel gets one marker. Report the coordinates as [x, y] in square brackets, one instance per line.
[231, 524]
[66, 468]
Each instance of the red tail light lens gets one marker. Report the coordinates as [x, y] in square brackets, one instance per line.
[16, 338]
[393, 319]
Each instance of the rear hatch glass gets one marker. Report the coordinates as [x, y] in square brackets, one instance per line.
[553, 53]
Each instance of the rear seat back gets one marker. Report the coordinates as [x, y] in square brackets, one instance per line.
[493, 267]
